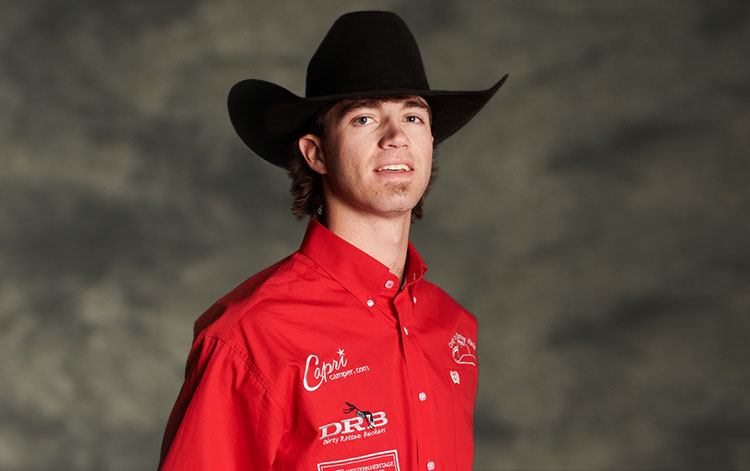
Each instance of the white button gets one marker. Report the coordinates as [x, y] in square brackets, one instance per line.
[422, 396]
[430, 465]
[370, 302]
[389, 284]
[414, 299]
[406, 331]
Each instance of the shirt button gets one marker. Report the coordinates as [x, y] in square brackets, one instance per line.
[406, 331]
[414, 299]
[422, 396]
[389, 284]
[430, 465]
[370, 302]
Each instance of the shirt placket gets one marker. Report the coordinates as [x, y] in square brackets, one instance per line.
[416, 368]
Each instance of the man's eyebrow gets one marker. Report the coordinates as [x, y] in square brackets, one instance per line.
[348, 106]
[417, 104]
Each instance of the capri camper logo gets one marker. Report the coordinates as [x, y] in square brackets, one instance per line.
[318, 372]
[364, 424]
[463, 350]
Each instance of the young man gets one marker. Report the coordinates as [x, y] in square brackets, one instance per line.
[341, 356]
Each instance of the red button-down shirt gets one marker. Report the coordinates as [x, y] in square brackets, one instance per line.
[323, 362]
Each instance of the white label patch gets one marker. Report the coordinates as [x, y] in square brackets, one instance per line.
[383, 461]
[455, 377]
[318, 372]
[463, 350]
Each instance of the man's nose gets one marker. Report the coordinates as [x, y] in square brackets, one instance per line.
[393, 135]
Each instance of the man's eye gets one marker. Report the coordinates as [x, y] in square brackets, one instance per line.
[362, 120]
[414, 119]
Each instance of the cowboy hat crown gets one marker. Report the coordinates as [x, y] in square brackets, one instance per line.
[366, 51]
[364, 54]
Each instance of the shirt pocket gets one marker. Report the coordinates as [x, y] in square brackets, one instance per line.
[463, 385]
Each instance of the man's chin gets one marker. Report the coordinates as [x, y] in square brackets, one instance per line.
[398, 210]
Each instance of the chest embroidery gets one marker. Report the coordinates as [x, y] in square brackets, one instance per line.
[318, 372]
[365, 414]
[365, 424]
[455, 377]
[463, 350]
[384, 460]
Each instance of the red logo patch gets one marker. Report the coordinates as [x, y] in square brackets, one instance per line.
[385, 461]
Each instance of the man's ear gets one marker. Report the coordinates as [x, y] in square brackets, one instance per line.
[311, 148]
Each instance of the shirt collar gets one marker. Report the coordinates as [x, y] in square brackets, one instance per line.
[356, 271]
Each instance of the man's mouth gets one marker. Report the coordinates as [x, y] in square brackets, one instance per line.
[394, 168]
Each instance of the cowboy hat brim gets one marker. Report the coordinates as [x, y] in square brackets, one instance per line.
[269, 118]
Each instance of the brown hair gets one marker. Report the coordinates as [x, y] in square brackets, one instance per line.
[307, 186]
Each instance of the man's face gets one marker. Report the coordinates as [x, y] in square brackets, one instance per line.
[377, 155]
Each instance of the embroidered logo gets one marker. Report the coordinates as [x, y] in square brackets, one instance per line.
[381, 461]
[365, 414]
[463, 350]
[354, 428]
[454, 376]
[317, 372]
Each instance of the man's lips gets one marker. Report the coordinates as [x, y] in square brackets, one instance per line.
[394, 168]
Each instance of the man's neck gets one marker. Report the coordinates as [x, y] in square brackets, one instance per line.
[386, 239]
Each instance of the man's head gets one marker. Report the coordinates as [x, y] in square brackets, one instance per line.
[383, 61]
[371, 154]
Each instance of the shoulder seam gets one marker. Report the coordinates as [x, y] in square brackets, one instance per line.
[254, 370]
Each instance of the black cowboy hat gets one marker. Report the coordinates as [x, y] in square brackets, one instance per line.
[365, 54]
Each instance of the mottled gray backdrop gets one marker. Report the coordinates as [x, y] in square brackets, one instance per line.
[593, 216]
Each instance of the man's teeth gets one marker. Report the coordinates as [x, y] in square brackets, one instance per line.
[394, 167]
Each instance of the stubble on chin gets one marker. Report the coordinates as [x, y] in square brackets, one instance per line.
[396, 189]
[401, 194]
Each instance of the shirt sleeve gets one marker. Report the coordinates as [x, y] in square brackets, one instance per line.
[224, 417]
